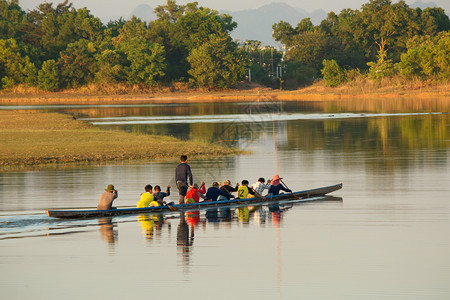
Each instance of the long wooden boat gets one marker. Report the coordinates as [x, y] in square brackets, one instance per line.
[302, 196]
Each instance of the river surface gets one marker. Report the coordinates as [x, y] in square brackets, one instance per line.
[385, 235]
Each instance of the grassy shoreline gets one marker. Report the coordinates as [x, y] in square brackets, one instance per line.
[315, 92]
[40, 139]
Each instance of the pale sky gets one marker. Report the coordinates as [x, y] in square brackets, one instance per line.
[106, 8]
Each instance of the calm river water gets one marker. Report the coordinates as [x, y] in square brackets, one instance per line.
[385, 235]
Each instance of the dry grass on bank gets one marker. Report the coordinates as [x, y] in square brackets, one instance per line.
[35, 138]
[395, 87]
[359, 86]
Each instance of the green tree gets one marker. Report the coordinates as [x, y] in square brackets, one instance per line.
[11, 16]
[383, 67]
[183, 28]
[332, 73]
[110, 67]
[433, 20]
[344, 28]
[309, 47]
[52, 29]
[427, 56]
[283, 33]
[218, 63]
[48, 76]
[132, 28]
[77, 63]
[146, 61]
[298, 74]
[197, 26]
[14, 67]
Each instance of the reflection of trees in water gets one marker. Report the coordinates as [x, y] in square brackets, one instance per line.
[393, 137]
[385, 105]
[370, 134]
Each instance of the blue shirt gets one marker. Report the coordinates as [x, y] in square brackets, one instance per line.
[183, 172]
[213, 193]
[275, 189]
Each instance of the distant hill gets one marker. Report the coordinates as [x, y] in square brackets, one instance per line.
[256, 24]
[144, 12]
[422, 5]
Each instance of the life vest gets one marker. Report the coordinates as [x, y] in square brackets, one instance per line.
[242, 192]
[154, 203]
[146, 199]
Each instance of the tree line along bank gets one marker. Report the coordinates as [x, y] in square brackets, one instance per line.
[61, 47]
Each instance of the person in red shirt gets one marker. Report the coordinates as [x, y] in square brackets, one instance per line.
[196, 193]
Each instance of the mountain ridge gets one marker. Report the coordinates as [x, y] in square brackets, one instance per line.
[256, 24]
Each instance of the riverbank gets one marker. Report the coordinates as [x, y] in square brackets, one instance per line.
[38, 139]
[246, 92]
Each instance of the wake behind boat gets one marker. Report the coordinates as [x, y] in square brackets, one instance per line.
[303, 196]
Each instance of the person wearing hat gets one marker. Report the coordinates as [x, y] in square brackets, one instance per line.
[195, 193]
[276, 186]
[107, 198]
[227, 188]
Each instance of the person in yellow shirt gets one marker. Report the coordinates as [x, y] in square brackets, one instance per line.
[245, 191]
[146, 198]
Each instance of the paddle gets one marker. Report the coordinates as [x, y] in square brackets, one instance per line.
[295, 196]
[172, 208]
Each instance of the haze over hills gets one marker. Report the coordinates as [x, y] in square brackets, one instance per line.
[253, 24]
[256, 24]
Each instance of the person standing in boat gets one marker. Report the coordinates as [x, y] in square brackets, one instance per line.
[276, 186]
[214, 192]
[182, 174]
[260, 185]
[107, 198]
[146, 198]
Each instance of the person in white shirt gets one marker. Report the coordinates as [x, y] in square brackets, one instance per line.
[260, 185]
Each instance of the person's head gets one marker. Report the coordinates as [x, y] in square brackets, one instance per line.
[110, 188]
[195, 186]
[148, 188]
[183, 158]
[262, 180]
[245, 182]
[215, 184]
[226, 182]
[276, 179]
[157, 188]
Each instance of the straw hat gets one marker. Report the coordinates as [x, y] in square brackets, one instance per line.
[110, 188]
[276, 177]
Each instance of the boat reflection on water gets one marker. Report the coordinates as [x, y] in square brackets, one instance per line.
[107, 231]
[244, 215]
[219, 218]
[185, 240]
[151, 224]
